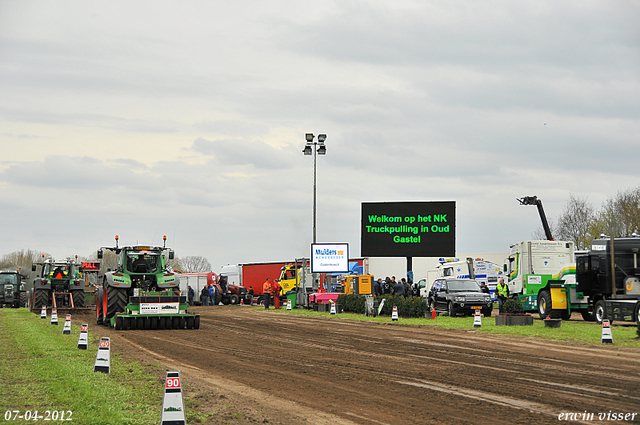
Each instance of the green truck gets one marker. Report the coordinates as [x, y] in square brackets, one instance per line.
[12, 293]
[143, 292]
[602, 283]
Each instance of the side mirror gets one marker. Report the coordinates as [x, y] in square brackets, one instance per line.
[99, 254]
[171, 255]
[33, 267]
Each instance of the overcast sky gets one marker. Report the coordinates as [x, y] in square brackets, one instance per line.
[187, 119]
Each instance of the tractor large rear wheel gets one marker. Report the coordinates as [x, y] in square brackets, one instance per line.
[116, 301]
[23, 299]
[42, 298]
[99, 295]
[78, 299]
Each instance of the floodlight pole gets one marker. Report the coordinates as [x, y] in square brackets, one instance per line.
[317, 148]
[314, 195]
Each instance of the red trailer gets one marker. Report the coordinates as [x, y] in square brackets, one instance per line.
[252, 275]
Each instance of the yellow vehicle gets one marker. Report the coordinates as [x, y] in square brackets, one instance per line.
[358, 284]
[295, 275]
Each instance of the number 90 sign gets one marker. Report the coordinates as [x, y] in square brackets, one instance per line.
[173, 383]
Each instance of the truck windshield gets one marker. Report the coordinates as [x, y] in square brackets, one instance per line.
[463, 285]
[142, 263]
[8, 279]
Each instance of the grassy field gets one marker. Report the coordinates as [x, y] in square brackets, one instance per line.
[577, 331]
[42, 369]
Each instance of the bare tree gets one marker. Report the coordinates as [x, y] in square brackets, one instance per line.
[575, 222]
[619, 216]
[21, 259]
[192, 264]
[540, 235]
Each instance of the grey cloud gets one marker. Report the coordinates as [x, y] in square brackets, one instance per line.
[244, 153]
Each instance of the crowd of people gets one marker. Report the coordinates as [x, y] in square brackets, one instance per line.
[392, 287]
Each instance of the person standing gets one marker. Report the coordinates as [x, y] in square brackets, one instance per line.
[190, 294]
[204, 295]
[399, 289]
[485, 288]
[266, 290]
[212, 295]
[503, 293]
[276, 289]
[377, 287]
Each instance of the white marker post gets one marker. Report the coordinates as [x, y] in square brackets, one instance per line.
[380, 306]
[43, 312]
[172, 402]
[83, 339]
[477, 320]
[103, 357]
[289, 305]
[66, 330]
[333, 308]
[54, 316]
[394, 314]
[607, 337]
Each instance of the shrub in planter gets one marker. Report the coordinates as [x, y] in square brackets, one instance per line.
[513, 314]
[512, 306]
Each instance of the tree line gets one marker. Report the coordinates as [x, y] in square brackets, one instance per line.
[581, 222]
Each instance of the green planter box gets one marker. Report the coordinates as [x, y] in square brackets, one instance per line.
[514, 320]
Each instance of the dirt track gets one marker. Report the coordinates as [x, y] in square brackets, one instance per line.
[256, 366]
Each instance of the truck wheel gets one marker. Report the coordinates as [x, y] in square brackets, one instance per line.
[233, 299]
[587, 317]
[175, 323]
[78, 299]
[196, 323]
[189, 322]
[161, 323]
[23, 299]
[42, 298]
[600, 312]
[146, 323]
[450, 309]
[565, 315]
[636, 315]
[181, 322]
[248, 300]
[544, 304]
[153, 322]
[168, 322]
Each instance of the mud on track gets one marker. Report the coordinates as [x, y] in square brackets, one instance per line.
[283, 368]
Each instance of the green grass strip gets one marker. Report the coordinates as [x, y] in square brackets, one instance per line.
[42, 369]
[624, 333]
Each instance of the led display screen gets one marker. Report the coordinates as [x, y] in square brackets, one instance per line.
[408, 229]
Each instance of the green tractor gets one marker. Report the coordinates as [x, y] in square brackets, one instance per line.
[59, 285]
[12, 293]
[143, 292]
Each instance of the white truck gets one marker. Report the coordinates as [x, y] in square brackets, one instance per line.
[472, 268]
